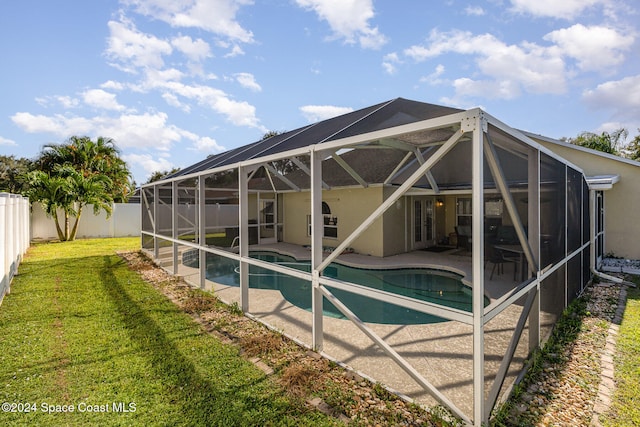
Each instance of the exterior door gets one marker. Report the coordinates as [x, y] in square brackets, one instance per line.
[423, 222]
[267, 224]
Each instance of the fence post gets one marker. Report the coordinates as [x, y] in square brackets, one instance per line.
[14, 227]
[4, 256]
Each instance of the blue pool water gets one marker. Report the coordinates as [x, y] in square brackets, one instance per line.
[419, 283]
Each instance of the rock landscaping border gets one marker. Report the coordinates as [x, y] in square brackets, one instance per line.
[572, 383]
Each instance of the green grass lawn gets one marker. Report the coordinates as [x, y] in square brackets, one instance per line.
[626, 402]
[81, 329]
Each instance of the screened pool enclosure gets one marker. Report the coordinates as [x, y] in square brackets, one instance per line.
[403, 185]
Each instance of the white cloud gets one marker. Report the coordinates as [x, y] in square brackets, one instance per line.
[168, 82]
[235, 51]
[474, 10]
[216, 16]
[390, 61]
[148, 163]
[248, 81]
[348, 19]
[316, 113]
[110, 84]
[57, 124]
[128, 130]
[173, 100]
[240, 113]
[65, 101]
[132, 49]
[566, 9]
[195, 50]
[595, 48]
[208, 145]
[434, 78]
[99, 98]
[621, 96]
[468, 88]
[508, 68]
[6, 141]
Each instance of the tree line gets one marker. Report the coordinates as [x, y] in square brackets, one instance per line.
[609, 142]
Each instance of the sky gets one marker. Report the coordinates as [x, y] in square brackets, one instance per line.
[172, 81]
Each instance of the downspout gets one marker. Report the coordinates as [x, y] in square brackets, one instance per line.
[613, 279]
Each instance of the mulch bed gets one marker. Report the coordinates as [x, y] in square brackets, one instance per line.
[566, 391]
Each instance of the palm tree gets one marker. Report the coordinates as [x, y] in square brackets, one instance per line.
[53, 192]
[92, 172]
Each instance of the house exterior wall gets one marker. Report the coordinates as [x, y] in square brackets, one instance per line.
[351, 206]
[622, 202]
[395, 233]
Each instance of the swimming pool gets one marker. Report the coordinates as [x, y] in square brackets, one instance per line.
[424, 284]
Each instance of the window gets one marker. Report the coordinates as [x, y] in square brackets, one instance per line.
[493, 208]
[330, 223]
[463, 211]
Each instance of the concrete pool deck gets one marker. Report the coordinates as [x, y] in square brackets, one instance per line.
[440, 352]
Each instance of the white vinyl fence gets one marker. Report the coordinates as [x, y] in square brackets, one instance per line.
[14, 237]
[124, 221]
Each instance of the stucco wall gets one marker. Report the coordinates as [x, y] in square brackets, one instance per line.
[349, 206]
[396, 224]
[622, 202]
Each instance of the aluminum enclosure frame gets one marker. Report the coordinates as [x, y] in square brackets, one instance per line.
[472, 125]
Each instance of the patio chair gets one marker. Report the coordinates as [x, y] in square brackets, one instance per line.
[497, 258]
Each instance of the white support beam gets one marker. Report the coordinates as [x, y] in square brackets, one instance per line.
[156, 204]
[317, 231]
[593, 206]
[502, 303]
[306, 170]
[202, 230]
[243, 196]
[508, 356]
[398, 167]
[273, 186]
[478, 125]
[186, 219]
[399, 192]
[534, 239]
[281, 178]
[397, 144]
[146, 208]
[428, 175]
[399, 360]
[174, 224]
[431, 308]
[344, 165]
[512, 209]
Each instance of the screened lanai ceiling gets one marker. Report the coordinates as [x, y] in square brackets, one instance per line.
[385, 115]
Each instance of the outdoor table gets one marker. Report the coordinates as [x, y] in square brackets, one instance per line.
[515, 249]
